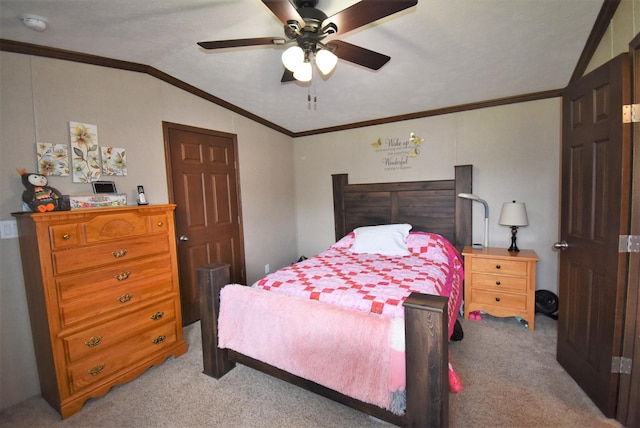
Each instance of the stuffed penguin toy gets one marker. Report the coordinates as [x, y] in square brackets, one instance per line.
[38, 196]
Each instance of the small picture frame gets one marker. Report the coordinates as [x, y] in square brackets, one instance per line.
[104, 187]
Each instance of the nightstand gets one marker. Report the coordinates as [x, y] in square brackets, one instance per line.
[500, 283]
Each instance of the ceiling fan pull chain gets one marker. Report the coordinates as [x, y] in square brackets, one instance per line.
[315, 96]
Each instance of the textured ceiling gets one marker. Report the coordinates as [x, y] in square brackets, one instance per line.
[443, 52]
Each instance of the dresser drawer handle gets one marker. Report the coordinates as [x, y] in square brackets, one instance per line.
[157, 316]
[498, 283]
[122, 276]
[120, 252]
[94, 341]
[66, 236]
[498, 266]
[160, 224]
[158, 340]
[125, 298]
[497, 299]
[96, 370]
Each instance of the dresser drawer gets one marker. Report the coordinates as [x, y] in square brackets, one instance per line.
[91, 300]
[115, 226]
[505, 267]
[159, 223]
[499, 282]
[499, 300]
[65, 236]
[83, 258]
[95, 339]
[106, 364]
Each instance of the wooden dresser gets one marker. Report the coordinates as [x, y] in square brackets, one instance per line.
[103, 297]
[500, 283]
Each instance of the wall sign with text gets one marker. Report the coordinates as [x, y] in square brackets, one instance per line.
[396, 152]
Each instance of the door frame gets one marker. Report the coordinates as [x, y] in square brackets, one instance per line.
[629, 388]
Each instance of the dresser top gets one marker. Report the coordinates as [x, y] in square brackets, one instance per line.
[499, 252]
[70, 214]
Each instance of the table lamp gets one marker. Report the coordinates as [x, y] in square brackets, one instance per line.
[514, 215]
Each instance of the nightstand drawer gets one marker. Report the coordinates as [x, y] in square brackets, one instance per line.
[505, 267]
[499, 300]
[499, 282]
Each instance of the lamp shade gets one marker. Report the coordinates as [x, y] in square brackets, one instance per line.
[326, 61]
[292, 58]
[513, 214]
[468, 196]
[303, 72]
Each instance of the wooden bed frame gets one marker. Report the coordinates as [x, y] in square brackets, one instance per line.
[431, 206]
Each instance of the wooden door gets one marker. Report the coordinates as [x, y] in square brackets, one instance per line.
[204, 184]
[594, 213]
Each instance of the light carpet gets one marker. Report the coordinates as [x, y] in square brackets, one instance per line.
[510, 375]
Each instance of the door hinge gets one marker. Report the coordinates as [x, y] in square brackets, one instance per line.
[621, 365]
[631, 113]
[629, 244]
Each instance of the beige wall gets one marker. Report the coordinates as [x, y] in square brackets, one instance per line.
[514, 150]
[39, 96]
[622, 29]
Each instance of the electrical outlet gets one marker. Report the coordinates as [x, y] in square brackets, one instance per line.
[8, 229]
[266, 268]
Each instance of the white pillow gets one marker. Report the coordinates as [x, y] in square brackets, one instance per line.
[388, 240]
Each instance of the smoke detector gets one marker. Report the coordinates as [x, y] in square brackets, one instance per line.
[34, 22]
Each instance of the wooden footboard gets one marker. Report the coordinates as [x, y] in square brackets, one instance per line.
[426, 355]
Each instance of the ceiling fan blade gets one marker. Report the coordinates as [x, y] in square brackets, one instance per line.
[284, 11]
[221, 44]
[365, 12]
[287, 76]
[359, 55]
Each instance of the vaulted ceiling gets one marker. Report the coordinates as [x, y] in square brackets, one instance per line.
[443, 53]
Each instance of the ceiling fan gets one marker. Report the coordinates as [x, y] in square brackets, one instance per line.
[305, 28]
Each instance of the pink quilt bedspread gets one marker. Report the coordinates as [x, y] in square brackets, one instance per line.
[375, 283]
[366, 285]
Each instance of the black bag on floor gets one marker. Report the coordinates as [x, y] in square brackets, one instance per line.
[458, 334]
[547, 303]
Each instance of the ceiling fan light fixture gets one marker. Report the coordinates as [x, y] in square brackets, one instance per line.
[326, 61]
[292, 58]
[303, 72]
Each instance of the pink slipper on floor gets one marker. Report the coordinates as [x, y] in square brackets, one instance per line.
[455, 385]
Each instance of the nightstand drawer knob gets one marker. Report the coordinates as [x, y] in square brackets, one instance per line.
[498, 266]
[498, 283]
[497, 299]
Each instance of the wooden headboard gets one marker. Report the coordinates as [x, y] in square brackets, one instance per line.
[429, 206]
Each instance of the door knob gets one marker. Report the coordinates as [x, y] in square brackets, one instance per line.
[561, 245]
[183, 238]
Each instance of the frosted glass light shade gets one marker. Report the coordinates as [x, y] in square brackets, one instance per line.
[292, 58]
[303, 72]
[326, 61]
[513, 214]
